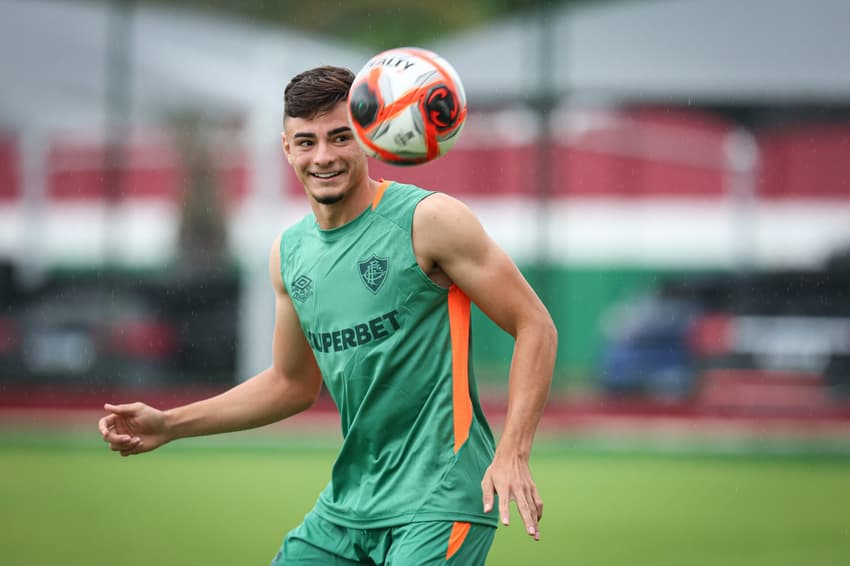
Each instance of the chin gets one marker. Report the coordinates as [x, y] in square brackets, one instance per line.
[328, 197]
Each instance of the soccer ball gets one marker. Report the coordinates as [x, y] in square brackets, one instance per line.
[407, 106]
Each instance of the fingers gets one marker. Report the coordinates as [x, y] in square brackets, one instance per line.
[106, 424]
[113, 429]
[121, 442]
[538, 504]
[123, 410]
[127, 447]
[135, 446]
[116, 432]
[529, 512]
[522, 491]
[110, 429]
[505, 507]
[528, 504]
[487, 491]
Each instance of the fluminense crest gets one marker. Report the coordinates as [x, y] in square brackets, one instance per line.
[373, 272]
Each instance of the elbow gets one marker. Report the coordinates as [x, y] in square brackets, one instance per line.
[542, 332]
[550, 336]
[313, 395]
[295, 394]
[312, 390]
[298, 404]
[305, 396]
[546, 336]
[544, 326]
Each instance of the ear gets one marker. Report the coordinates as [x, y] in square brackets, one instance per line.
[284, 144]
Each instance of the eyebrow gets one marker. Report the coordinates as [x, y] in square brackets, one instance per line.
[310, 135]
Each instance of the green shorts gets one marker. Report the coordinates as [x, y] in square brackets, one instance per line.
[317, 542]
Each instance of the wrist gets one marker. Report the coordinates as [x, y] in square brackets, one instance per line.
[512, 451]
[515, 445]
[171, 424]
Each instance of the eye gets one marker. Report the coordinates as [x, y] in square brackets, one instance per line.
[305, 143]
[342, 138]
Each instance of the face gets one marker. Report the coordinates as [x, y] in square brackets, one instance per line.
[324, 155]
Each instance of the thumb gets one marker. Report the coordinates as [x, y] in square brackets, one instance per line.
[122, 410]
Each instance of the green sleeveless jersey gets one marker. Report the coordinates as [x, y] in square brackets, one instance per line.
[394, 351]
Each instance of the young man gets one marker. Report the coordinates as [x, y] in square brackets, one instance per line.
[373, 297]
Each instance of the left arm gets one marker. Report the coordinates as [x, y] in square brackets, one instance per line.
[449, 240]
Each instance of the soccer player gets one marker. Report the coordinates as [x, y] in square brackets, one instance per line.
[372, 295]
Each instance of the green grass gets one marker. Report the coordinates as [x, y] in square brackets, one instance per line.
[229, 501]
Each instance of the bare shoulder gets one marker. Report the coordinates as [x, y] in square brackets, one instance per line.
[442, 220]
[440, 208]
[443, 226]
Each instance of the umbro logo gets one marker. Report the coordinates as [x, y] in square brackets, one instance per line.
[302, 288]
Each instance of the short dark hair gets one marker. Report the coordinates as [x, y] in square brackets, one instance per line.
[316, 91]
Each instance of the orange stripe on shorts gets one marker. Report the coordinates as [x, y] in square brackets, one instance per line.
[456, 538]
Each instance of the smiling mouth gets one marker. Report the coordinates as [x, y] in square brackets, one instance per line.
[326, 175]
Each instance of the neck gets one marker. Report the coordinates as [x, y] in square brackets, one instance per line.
[329, 216]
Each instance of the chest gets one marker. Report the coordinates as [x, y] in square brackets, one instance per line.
[352, 279]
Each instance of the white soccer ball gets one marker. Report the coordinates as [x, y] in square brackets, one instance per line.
[407, 106]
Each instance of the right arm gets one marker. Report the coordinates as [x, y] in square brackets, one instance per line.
[290, 385]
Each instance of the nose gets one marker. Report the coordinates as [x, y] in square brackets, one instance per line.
[325, 154]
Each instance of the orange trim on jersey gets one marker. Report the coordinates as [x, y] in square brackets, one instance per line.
[379, 193]
[456, 538]
[459, 322]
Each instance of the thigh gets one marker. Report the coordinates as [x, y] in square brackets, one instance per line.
[443, 542]
[316, 542]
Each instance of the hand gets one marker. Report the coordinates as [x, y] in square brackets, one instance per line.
[511, 480]
[133, 429]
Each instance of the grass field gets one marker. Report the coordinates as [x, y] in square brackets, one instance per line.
[228, 501]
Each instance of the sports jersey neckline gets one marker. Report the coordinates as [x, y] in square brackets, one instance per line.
[331, 234]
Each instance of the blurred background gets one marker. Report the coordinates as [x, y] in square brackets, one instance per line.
[673, 177]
